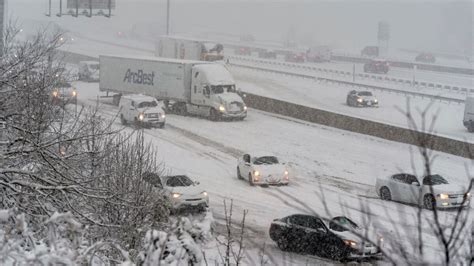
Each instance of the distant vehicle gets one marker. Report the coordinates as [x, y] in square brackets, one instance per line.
[180, 48]
[406, 188]
[361, 98]
[268, 54]
[468, 120]
[89, 71]
[243, 51]
[120, 35]
[181, 190]
[370, 51]
[320, 53]
[141, 110]
[187, 87]
[425, 58]
[262, 170]
[64, 93]
[66, 38]
[308, 234]
[379, 66]
[295, 57]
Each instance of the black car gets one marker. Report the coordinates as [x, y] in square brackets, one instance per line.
[308, 234]
[379, 66]
[425, 58]
[361, 98]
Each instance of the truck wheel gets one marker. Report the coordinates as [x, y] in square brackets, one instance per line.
[136, 123]
[116, 99]
[162, 125]
[122, 120]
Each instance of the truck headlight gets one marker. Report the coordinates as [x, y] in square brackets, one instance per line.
[222, 108]
[55, 93]
[163, 116]
[141, 116]
[204, 193]
[176, 195]
[375, 100]
[256, 173]
[359, 100]
[245, 107]
[443, 196]
[74, 93]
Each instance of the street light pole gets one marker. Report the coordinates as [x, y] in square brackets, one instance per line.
[168, 17]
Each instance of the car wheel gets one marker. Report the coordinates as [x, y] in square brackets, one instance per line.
[122, 120]
[251, 180]
[239, 176]
[213, 114]
[385, 193]
[282, 244]
[429, 202]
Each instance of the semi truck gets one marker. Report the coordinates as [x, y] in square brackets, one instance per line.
[185, 86]
[180, 48]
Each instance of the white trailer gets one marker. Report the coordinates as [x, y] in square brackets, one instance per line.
[181, 48]
[187, 87]
[468, 120]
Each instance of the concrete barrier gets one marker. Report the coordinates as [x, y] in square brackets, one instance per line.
[362, 126]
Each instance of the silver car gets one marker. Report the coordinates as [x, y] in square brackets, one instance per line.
[433, 192]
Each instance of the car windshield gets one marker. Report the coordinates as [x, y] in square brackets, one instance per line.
[179, 181]
[266, 160]
[365, 93]
[433, 180]
[342, 224]
[222, 88]
[147, 104]
[64, 85]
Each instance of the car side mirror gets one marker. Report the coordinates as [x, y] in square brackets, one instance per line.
[415, 184]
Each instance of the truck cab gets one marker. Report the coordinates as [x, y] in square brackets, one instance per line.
[213, 93]
[89, 71]
[141, 110]
[469, 114]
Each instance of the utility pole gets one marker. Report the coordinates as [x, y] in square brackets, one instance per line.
[168, 17]
[3, 14]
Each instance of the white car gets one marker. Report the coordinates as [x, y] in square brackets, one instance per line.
[434, 191]
[181, 190]
[262, 169]
[141, 110]
[351, 234]
[89, 71]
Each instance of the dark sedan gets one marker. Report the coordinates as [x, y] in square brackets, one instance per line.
[308, 234]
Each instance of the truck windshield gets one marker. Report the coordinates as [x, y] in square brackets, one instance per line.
[147, 104]
[222, 88]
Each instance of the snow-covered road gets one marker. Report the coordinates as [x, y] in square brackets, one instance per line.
[333, 171]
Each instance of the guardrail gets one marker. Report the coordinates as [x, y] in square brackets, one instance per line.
[355, 84]
[362, 126]
[344, 122]
[349, 74]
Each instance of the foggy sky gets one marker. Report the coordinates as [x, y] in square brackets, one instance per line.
[444, 26]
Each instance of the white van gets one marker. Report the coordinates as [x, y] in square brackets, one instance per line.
[469, 114]
[89, 71]
[142, 110]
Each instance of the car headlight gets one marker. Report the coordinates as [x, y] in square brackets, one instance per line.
[375, 100]
[222, 108]
[74, 93]
[163, 115]
[141, 116]
[245, 107]
[256, 173]
[204, 193]
[359, 100]
[443, 196]
[468, 194]
[176, 195]
[350, 243]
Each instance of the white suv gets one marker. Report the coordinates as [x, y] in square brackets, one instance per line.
[141, 110]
